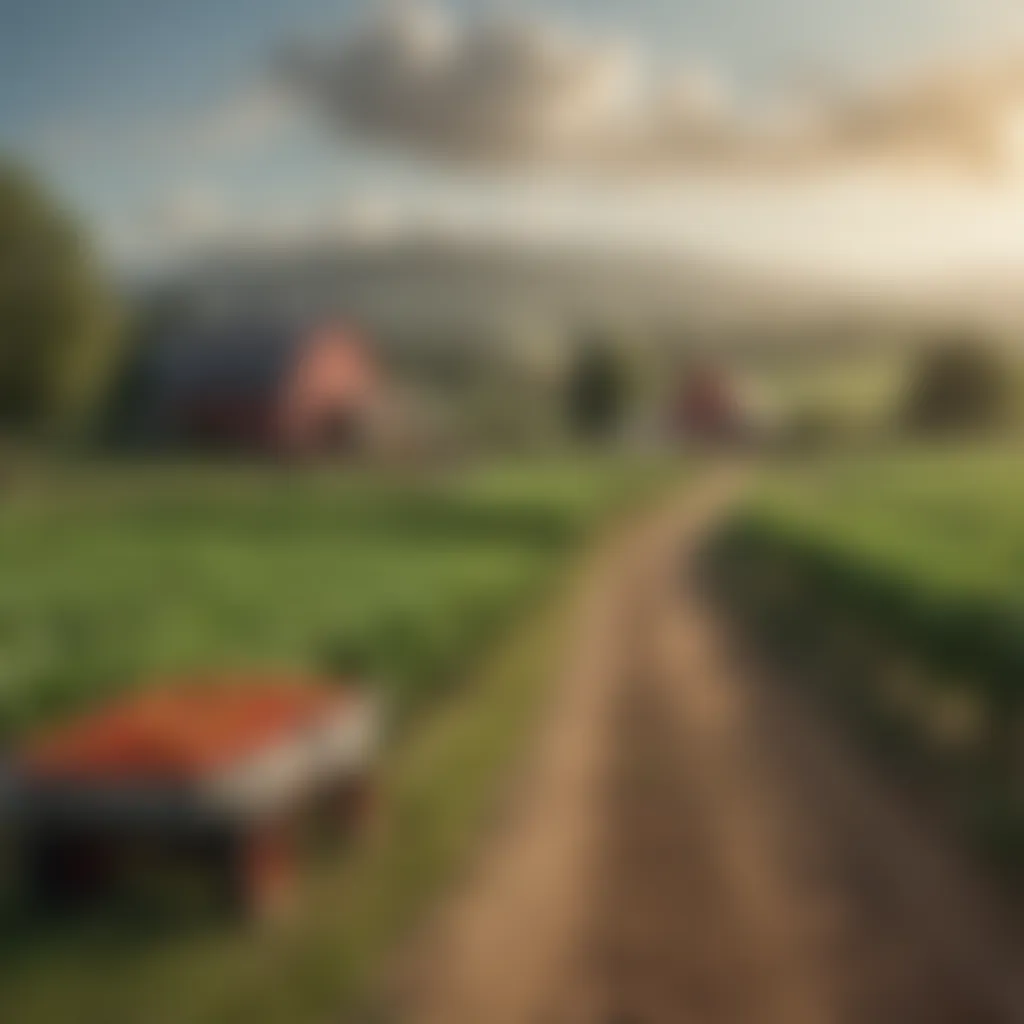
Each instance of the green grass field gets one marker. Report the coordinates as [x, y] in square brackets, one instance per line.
[900, 579]
[863, 388]
[112, 577]
[927, 548]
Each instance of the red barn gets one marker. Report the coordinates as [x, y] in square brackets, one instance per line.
[295, 391]
[709, 407]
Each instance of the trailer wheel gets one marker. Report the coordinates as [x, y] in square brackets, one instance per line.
[259, 870]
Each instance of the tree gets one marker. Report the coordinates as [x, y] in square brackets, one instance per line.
[57, 320]
[596, 390]
[961, 384]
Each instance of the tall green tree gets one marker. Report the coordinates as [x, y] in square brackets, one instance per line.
[58, 321]
[597, 390]
[959, 384]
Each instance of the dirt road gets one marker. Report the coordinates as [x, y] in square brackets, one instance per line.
[690, 843]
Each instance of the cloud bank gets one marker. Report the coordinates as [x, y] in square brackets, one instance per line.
[505, 92]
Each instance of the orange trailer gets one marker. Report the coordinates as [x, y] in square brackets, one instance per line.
[221, 773]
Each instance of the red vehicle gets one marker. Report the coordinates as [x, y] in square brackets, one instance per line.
[220, 774]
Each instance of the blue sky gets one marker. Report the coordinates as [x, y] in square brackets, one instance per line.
[108, 97]
[58, 57]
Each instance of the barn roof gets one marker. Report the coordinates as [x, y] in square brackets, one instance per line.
[180, 732]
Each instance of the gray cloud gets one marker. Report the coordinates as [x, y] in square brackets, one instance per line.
[499, 91]
[507, 92]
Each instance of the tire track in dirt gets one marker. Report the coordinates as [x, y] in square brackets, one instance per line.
[692, 844]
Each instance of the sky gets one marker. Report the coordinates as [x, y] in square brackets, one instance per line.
[883, 137]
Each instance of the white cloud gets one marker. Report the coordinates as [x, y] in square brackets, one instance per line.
[523, 93]
[498, 91]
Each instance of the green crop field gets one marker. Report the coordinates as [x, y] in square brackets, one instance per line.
[112, 577]
[929, 548]
[116, 578]
[903, 576]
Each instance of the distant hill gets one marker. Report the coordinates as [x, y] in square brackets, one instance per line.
[412, 290]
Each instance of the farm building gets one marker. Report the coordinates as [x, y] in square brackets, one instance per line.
[711, 406]
[297, 391]
[216, 774]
